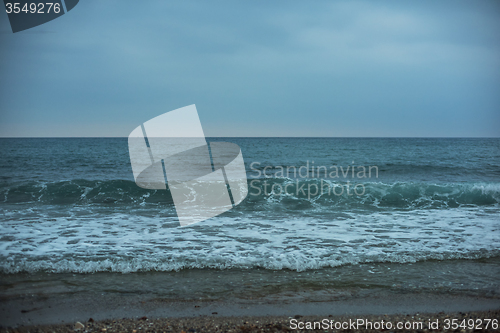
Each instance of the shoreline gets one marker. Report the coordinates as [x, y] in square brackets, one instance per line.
[486, 321]
[36, 310]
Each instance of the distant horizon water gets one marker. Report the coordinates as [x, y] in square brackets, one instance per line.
[269, 137]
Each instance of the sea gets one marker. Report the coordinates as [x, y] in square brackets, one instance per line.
[323, 218]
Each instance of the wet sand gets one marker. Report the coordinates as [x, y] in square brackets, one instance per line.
[111, 313]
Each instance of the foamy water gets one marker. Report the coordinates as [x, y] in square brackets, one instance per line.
[124, 243]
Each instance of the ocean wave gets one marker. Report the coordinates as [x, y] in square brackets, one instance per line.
[317, 192]
[123, 242]
[407, 195]
[293, 262]
[82, 191]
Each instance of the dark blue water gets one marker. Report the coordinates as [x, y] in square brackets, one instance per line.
[71, 206]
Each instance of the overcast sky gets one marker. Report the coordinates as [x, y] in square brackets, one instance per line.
[257, 68]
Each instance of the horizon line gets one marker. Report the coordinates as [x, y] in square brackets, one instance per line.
[267, 137]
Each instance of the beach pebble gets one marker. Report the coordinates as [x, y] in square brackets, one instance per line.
[79, 326]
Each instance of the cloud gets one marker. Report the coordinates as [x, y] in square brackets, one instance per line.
[348, 67]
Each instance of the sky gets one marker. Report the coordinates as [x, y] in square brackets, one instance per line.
[257, 68]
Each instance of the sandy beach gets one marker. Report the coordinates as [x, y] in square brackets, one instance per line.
[485, 321]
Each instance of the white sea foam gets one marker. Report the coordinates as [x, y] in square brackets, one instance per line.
[127, 243]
